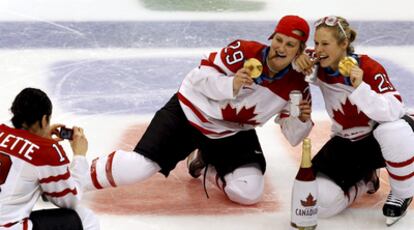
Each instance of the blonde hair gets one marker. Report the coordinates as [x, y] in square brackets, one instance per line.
[339, 34]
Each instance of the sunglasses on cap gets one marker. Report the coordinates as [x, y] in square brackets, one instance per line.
[330, 21]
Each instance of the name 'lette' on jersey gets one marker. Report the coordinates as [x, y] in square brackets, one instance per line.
[30, 148]
[18, 145]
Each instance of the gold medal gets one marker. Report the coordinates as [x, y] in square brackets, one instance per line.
[345, 65]
[255, 67]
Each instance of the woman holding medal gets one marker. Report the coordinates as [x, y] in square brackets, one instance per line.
[370, 128]
[216, 111]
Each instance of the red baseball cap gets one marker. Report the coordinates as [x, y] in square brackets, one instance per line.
[288, 24]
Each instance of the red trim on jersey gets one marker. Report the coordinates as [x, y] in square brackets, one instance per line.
[284, 115]
[292, 80]
[190, 105]
[400, 164]
[398, 97]
[62, 193]
[400, 178]
[205, 62]
[210, 62]
[108, 169]
[94, 176]
[42, 152]
[25, 224]
[26, 134]
[207, 132]
[64, 176]
[8, 225]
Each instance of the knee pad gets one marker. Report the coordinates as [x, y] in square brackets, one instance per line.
[131, 167]
[332, 199]
[397, 145]
[396, 140]
[244, 185]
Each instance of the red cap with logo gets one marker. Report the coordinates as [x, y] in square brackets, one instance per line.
[288, 24]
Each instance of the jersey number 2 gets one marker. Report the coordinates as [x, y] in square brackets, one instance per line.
[234, 57]
[5, 165]
[384, 84]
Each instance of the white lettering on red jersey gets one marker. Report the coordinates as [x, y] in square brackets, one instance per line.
[31, 165]
[354, 112]
[206, 94]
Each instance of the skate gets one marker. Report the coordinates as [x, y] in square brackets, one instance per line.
[395, 208]
[372, 181]
[195, 164]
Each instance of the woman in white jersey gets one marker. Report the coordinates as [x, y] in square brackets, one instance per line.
[369, 125]
[216, 111]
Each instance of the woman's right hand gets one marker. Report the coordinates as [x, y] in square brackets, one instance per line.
[242, 77]
[304, 63]
[79, 143]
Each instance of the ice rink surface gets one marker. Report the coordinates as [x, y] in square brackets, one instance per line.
[109, 65]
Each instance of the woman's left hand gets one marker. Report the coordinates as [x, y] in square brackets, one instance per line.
[305, 111]
[242, 77]
[356, 75]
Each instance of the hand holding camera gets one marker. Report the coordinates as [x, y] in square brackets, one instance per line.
[76, 137]
[79, 143]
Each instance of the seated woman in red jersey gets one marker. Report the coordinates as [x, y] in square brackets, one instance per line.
[216, 111]
[33, 163]
[370, 127]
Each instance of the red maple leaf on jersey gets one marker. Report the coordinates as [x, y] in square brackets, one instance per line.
[350, 117]
[244, 116]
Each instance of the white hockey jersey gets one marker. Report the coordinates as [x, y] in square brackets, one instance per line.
[354, 112]
[29, 166]
[206, 94]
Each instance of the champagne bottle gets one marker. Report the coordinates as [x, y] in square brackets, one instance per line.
[304, 207]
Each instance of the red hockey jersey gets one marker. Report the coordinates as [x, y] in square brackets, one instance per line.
[29, 166]
[206, 94]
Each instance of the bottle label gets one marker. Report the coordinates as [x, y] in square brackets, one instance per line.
[304, 207]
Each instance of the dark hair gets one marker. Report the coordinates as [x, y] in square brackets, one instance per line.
[29, 106]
